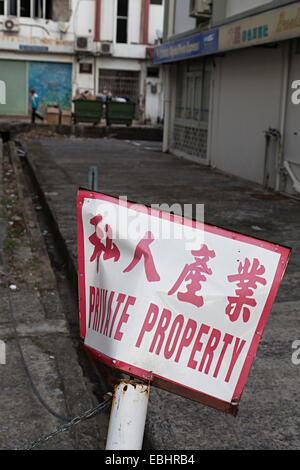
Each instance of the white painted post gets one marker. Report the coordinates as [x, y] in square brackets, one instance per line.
[128, 416]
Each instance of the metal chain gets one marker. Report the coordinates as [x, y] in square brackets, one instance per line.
[65, 427]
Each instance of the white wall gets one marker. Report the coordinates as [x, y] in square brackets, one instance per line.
[82, 23]
[235, 7]
[83, 17]
[156, 21]
[246, 102]
[108, 20]
[134, 24]
[182, 21]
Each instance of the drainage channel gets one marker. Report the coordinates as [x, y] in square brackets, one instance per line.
[66, 279]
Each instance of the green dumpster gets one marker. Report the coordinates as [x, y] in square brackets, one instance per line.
[120, 113]
[88, 111]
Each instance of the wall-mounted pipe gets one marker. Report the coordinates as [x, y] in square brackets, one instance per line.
[97, 21]
[32, 25]
[146, 22]
[287, 58]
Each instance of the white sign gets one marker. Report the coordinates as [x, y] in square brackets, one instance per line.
[2, 92]
[188, 320]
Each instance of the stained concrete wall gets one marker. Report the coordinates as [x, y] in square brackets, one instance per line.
[61, 10]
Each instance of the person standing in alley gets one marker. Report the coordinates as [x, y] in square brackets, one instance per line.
[35, 101]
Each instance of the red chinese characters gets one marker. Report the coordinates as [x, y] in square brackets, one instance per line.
[103, 244]
[109, 249]
[247, 279]
[143, 249]
[190, 282]
[195, 273]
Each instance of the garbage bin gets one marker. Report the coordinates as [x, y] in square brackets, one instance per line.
[88, 111]
[120, 113]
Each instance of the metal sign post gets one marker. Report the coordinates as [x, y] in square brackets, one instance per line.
[128, 416]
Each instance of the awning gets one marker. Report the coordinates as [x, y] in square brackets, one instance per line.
[272, 26]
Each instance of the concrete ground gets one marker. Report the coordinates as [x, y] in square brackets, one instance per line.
[31, 302]
[269, 415]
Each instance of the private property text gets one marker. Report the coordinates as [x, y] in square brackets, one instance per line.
[170, 336]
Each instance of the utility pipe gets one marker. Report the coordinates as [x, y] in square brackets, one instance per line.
[167, 108]
[97, 21]
[296, 183]
[146, 22]
[283, 111]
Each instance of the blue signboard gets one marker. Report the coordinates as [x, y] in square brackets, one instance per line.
[24, 47]
[193, 46]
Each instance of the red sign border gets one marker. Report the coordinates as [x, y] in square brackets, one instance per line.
[155, 379]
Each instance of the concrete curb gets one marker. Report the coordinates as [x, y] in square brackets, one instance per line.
[118, 132]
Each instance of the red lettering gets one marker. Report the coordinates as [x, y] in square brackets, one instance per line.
[163, 324]
[103, 309]
[111, 297]
[149, 323]
[187, 337]
[227, 340]
[124, 318]
[211, 346]
[178, 323]
[120, 300]
[236, 352]
[204, 329]
[96, 310]
[92, 303]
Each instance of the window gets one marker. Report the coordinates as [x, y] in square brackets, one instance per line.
[12, 7]
[38, 8]
[122, 83]
[48, 10]
[153, 72]
[85, 68]
[27, 8]
[122, 21]
[193, 91]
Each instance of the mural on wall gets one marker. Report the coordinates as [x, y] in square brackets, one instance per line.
[53, 83]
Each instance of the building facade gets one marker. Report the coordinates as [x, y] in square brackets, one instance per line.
[231, 69]
[64, 47]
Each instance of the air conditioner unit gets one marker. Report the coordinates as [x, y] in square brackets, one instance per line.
[106, 48]
[82, 43]
[200, 9]
[11, 25]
